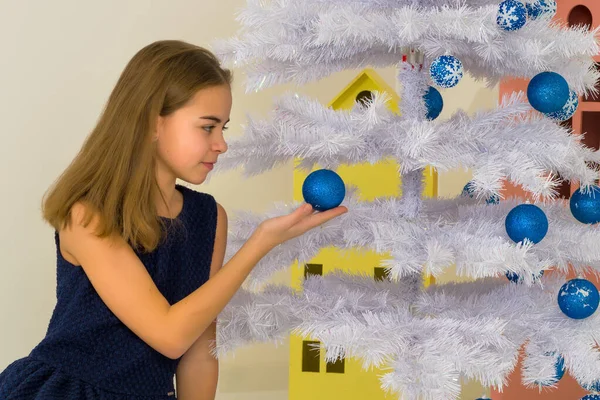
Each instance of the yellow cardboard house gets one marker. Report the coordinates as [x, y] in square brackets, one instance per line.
[310, 377]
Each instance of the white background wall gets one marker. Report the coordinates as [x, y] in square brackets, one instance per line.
[58, 63]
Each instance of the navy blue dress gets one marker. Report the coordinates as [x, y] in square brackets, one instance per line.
[88, 353]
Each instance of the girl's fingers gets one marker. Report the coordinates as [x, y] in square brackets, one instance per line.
[324, 216]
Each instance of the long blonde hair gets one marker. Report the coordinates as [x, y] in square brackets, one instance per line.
[114, 172]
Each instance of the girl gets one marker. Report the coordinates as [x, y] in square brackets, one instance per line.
[135, 305]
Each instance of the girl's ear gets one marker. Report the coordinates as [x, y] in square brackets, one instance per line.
[160, 122]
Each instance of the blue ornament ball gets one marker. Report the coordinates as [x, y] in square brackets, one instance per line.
[516, 278]
[559, 369]
[578, 298]
[548, 92]
[469, 190]
[512, 15]
[526, 221]
[594, 387]
[446, 71]
[567, 110]
[433, 102]
[541, 8]
[591, 397]
[586, 207]
[323, 189]
[493, 199]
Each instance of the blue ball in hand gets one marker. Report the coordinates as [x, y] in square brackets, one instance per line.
[548, 92]
[578, 298]
[586, 207]
[323, 189]
[526, 221]
[433, 102]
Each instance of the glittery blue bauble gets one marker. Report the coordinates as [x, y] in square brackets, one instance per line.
[586, 207]
[526, 221]
[594, 387]
[516, 278]
[512, 15]
[433, 102]
[323, 189]
[591, 397]
[567, 110]
[446, 71]
[541, 8]
[468, 191]
[578, 298]
[548, 92]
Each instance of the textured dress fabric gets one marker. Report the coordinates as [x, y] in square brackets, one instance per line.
[88, 353]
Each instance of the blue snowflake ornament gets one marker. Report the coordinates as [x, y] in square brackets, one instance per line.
[446, 71]
[591, 397]
[541, 8]
[594, 387]
[568, 109]
[512, 15]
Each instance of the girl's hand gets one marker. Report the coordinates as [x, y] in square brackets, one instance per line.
[275, 231]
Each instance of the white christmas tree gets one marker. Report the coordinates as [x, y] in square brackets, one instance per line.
[428, 337]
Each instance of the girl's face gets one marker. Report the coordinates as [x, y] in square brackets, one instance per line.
[190, 140]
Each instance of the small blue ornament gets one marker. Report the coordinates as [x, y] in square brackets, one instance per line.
[568, 109]
[493, 199]
[586, 207]
[594, 387]
[446, 71]
[541, 8]
[559, 369]
[469, 190]
[591, 397]
[512, 15]
[578, 298]
[323, 189]
[548, 92]
[516, 278]
[526, 221]
[433, 102]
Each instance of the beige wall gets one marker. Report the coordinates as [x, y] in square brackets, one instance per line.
[59, 62]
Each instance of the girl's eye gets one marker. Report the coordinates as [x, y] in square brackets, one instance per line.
[211, 127]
